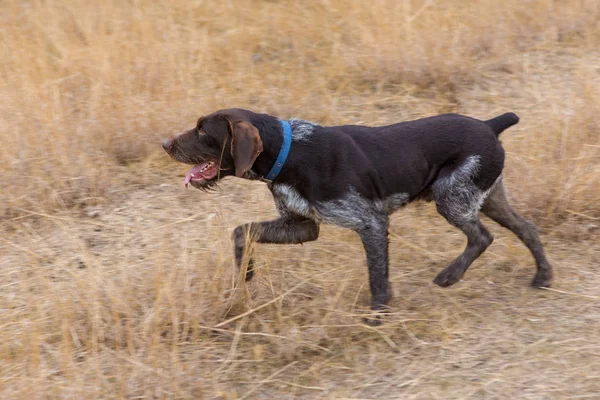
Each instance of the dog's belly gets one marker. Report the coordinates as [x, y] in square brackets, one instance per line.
[349, 211]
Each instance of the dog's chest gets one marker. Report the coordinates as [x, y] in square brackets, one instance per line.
[289, 200]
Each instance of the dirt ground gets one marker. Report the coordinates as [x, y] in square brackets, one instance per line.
[150, 276]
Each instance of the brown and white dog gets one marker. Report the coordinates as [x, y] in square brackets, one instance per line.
[356, 176]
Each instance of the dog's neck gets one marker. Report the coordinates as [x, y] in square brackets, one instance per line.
[272, 134]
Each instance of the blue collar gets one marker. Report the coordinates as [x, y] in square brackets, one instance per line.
[283, 152]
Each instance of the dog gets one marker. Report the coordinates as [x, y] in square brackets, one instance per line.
[356, 176]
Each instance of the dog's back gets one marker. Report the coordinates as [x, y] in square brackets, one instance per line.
[405, 157]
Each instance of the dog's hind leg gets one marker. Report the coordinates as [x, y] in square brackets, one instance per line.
[458, 200]
[286, 230]
[496, 207]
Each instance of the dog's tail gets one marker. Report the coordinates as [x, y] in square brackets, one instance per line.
[501, 122]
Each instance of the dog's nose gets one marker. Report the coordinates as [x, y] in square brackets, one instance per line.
[167, 144]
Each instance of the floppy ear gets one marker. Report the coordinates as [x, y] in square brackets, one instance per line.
[245, 146]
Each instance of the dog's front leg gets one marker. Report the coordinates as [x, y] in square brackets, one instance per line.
[286, 230]
[374, 236]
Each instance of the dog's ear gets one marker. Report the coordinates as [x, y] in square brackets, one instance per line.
[246, 145]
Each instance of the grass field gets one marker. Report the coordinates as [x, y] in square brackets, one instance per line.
[116, 282]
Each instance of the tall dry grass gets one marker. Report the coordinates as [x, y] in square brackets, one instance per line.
[88, 89]
[113, 286]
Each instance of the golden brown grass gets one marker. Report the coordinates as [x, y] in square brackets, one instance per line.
[115, 282]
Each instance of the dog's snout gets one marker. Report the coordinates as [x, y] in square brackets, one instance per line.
[167, 144]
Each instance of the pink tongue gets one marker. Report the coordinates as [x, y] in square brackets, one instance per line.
[195, 169]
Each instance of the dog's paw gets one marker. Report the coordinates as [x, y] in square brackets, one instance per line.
[542, 279]
[376, 316]
[375, 320]
[250, 270]
[448, 277]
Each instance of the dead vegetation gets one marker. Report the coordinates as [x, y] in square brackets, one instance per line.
[118, 283]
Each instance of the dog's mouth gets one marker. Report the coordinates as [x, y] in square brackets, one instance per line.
[201, 173]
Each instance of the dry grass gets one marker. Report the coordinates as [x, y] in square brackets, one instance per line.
[117, 283]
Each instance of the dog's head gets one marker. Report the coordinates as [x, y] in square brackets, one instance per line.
[221, 144]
